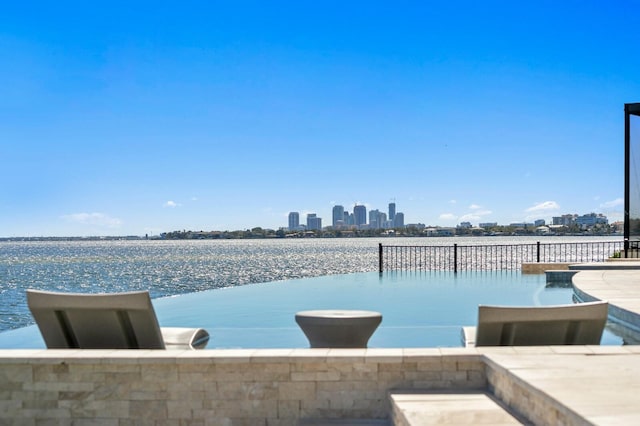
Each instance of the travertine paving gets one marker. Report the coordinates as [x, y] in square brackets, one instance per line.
[621, 287]
[453, 408]
[602, 387]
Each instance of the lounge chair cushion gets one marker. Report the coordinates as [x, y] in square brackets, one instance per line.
[106, 321]
[574, 324]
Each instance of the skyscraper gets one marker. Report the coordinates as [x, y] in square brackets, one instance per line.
[338, 216]
[374, 219]
[398, 221]
[314, 223]
[382, 220]
[360, 214]
[392, 211]
[294, 221]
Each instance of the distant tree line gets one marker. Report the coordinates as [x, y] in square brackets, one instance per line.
[409, 231]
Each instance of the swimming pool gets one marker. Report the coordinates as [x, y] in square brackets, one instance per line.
[419, 309]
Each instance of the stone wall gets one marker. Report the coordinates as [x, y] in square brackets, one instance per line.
[539, 268]
[525, 399]
[221, 387]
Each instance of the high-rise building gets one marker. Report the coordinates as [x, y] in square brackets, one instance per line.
[374, 219]
[591, 219]
[360, 214]
[398, 220]
[294, 221]
[565, 219]
[338, 215]
[392, 211]
[314, 222]
[382, 219]
[310, 218]
[349, 219]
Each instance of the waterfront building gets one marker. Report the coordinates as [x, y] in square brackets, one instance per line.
[398, 221]
[349, 219]
[488, 225]
[338, 215]
[521, 225]
[374, 219]
[294, 221]
[543, 230]
[392, 211]
[314, 223]
[591, 219]
[360, 214]
[382, 219]
[440, 232]
[539, 222]
[419, 226]
[565, 219]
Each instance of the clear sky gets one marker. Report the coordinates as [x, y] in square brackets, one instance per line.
[133, 118]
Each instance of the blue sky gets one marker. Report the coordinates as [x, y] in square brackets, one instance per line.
[120, 119]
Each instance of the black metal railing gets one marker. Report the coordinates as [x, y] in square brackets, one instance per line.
[493, 257]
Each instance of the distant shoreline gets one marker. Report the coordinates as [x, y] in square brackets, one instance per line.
[271, 237]
[95, 238]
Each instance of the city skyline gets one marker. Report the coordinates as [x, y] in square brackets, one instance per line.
[140, 118]
[342, 219]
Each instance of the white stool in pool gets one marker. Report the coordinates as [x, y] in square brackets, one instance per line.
[338, 328]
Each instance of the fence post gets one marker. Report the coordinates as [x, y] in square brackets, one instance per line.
[626, 248]
[538, 252]
[455, 258]
[380, 257]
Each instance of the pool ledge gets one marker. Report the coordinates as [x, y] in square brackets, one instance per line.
[286, 386]
[616, 283]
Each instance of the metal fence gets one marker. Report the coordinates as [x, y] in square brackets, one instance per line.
[493, 257]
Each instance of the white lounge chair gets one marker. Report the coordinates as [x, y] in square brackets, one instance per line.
[106, 321]
[575, 324]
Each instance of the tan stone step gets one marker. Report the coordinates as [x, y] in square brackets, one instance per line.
[449, 408]
[343, 422]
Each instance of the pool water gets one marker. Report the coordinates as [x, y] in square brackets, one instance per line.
[419, 309]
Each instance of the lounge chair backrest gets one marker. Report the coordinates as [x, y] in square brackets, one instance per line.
[96, 321]
[576, 324]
